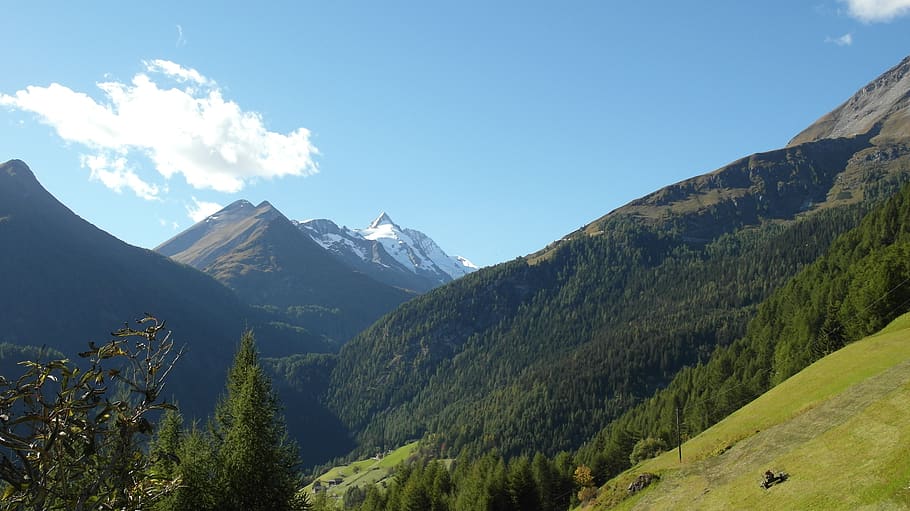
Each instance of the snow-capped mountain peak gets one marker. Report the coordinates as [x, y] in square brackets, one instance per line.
[400, 256]
[383, 219]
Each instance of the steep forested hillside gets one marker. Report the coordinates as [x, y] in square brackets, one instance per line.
[538, 353]
[64, 282]
[816, 426]
[534, 354]
[856, 288]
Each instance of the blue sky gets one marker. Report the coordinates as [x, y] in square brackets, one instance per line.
[493, 127]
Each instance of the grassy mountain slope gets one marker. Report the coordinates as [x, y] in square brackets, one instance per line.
[839, 428]
[856, 288]
[538, 353]
[363, 473]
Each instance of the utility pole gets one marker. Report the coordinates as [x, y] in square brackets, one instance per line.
[678, 436]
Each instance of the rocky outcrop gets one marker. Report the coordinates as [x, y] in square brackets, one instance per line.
[883, 102]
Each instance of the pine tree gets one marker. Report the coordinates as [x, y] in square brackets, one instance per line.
[196, 470]
[522, 490]
[166, 444]
[257, 461]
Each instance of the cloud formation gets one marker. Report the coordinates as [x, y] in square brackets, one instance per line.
[181, 41]
[116, 174]
[877, 10]
[200, 210]
[844, 40]
[187, 129]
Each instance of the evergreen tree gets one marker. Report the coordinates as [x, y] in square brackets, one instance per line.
[196, 469]
[522, 490]
[257, 461]
[549, 487]
[166, 444]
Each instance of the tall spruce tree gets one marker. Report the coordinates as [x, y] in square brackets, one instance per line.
[257, 460]
[190, 457]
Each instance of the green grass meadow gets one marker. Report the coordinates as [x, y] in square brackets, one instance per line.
[363, 473]
[840, 428]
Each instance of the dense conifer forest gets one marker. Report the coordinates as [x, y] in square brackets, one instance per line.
[855, 289]
[539, 353]
[559, 346]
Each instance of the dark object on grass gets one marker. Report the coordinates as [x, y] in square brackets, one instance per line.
[642, 481]
[770, 479]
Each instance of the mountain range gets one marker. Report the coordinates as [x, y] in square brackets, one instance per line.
[330, 281]
[400, 257]
[66, 282]
[536, 354]
[259, 254]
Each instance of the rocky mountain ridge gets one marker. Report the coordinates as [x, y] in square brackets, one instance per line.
[397, 256]
[883, 102]
[261, 255]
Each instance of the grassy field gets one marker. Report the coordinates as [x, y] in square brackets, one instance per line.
[840, 428]
[364, 472]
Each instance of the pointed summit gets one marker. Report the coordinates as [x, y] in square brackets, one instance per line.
[382, 219]
[19, 188]
[14, 167]
[17, 171]
[242, 209]
[234, 221]
[265, 211]
[402, 257]
[236, 205]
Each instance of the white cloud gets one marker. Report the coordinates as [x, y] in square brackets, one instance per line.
[877, 10]
[200, 210]
[181, 41]
[844, 40]
[176, 71]
[116, 174]
[191, 131]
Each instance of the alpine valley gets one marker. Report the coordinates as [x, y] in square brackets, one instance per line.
[694, 299]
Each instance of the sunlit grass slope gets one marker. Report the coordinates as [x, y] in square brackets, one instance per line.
[840, 428]
[363, 473]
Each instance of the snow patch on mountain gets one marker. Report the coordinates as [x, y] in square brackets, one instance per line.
[386, 245]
